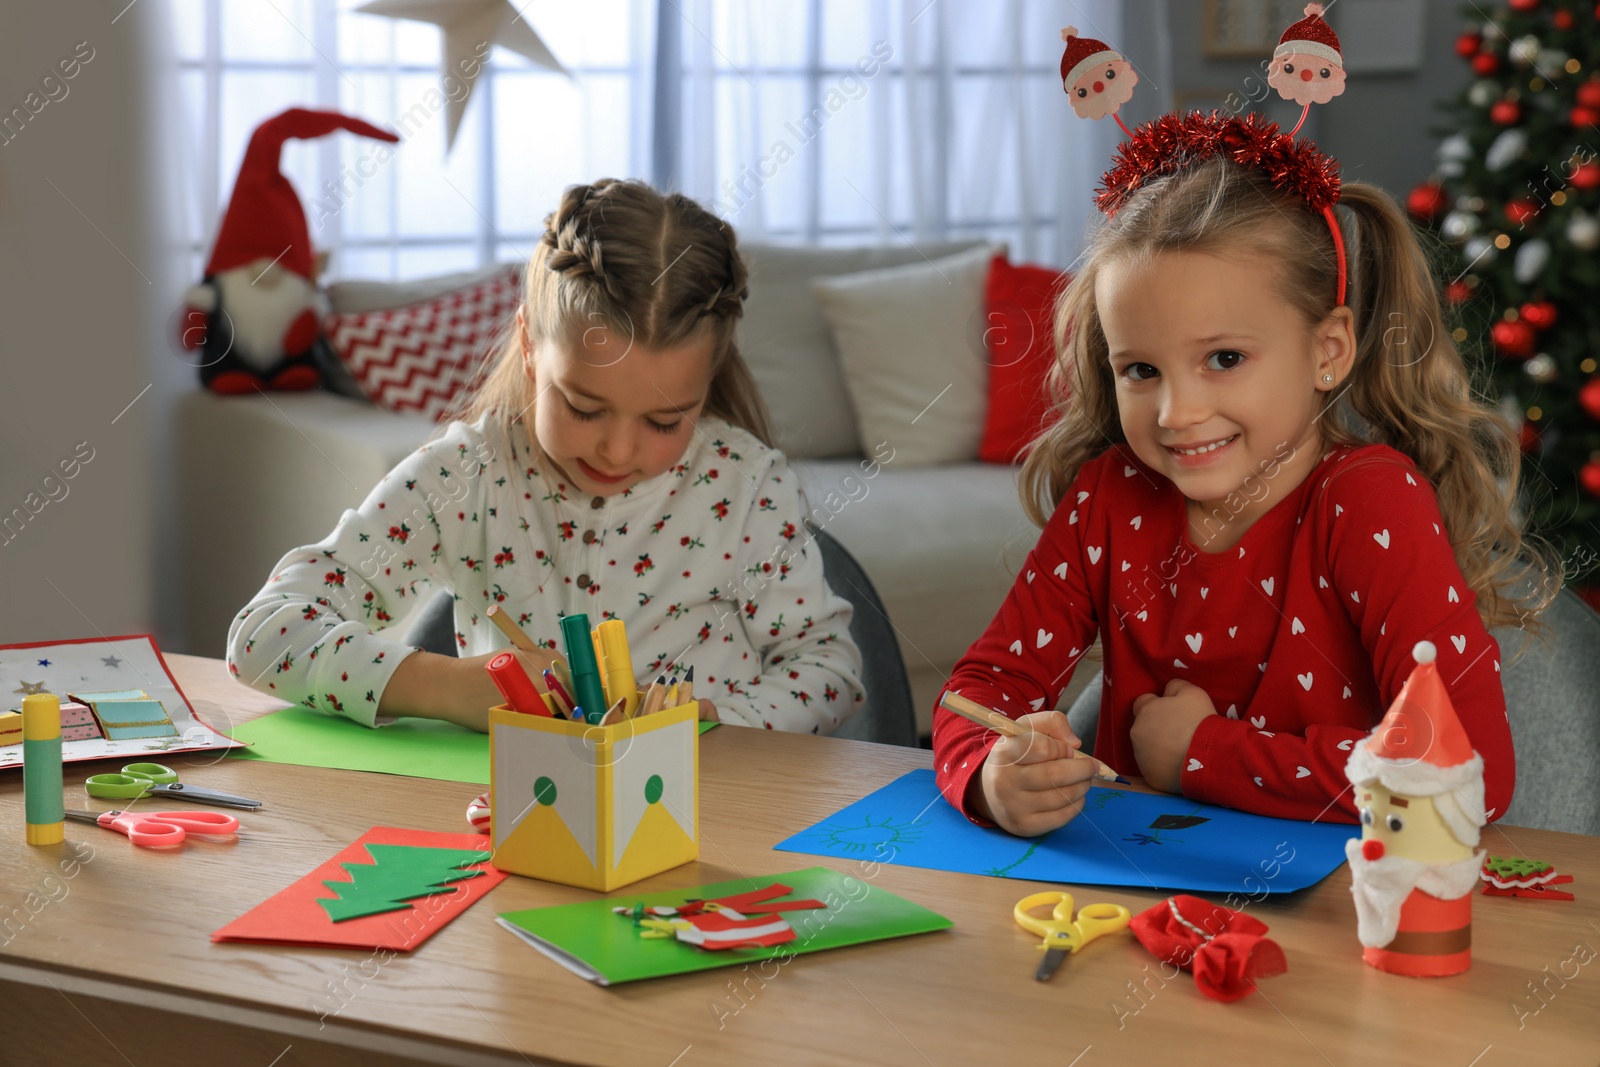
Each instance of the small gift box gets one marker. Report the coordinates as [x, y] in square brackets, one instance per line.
[128, 713]
[78, 723]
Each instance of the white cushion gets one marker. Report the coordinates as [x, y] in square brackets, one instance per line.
[785, 340]
[909, 340]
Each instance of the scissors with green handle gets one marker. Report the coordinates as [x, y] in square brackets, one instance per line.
[155, 779]
[1061, 932]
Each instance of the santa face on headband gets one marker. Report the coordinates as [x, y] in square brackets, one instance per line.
[1305, 78]
[1096, 78]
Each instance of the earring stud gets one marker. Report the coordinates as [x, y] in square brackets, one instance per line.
[1327, 379]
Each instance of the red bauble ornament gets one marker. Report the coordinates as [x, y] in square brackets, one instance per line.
[1468, 44]
[1586, 176]
[1458, 292]
[1589, 475]
[1581, 116]
[1540, 315]
[1528, 437]
[1589, 93]
[1514, 340]
[1562, 19]
[1589, 398]
[1485, 64]
[1509, 113]
[1522, 209]
[1524, 5]
[1426, 201]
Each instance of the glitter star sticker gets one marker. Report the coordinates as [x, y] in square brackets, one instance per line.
[111, 661]
[30, 688]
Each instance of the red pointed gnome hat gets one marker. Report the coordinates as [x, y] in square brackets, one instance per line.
[1083, 54]
[1311, 36]
[1421, 750]
[264, 218]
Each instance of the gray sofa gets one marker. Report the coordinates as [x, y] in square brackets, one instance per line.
[261, 475]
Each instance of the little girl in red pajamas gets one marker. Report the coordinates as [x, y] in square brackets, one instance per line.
[1267, 480]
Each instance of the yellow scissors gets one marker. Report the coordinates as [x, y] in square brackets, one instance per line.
[1061, 932]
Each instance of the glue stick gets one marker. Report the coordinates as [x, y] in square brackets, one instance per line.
[41, 768]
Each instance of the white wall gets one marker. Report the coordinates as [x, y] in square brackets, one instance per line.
[79, 279]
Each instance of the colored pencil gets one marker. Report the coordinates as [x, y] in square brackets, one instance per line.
[1005, 724]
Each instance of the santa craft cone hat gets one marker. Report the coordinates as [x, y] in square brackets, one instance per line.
[265, 219]
[1082, 54]
[1311, 36]
[1421, 750]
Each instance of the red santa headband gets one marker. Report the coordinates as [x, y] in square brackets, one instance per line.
[1174, 143]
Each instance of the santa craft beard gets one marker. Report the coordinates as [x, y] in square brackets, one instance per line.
[1382, 887]
[1103, 90]
[1305, 79]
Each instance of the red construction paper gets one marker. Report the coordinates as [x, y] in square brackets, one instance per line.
[293, 917]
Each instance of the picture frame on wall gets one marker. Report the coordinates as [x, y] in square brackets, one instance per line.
[1247, 29]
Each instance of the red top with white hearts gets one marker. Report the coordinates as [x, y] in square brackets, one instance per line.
[1301, 633]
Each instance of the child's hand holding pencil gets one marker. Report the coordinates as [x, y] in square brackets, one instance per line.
[1034, 779]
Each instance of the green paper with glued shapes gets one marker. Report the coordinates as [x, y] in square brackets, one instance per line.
[397, 875]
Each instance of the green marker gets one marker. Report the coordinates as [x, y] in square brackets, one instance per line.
[587, 691]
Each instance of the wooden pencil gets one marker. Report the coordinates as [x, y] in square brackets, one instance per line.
[655, 698]
[1005, 724]
[513, 632]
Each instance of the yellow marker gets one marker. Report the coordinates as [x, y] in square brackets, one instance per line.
[41, 769]
[616, 665]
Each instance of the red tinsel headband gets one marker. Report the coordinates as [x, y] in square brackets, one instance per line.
[1307, 68]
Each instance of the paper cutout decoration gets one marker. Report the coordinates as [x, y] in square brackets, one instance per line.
[469, 27]
[909, 823]
[125, 714]
[11, 728]
[1516, 877]
[420, 748]
[591, 941]
[299, 915]
[96, 664]
[396, 875]
[744, 920]
[78, 722]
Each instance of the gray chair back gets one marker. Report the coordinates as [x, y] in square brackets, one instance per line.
[888, 716]
[1553, 702]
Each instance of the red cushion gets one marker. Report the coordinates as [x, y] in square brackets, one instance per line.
[1021, 301]
[415, 358]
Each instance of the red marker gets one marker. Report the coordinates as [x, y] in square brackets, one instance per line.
[514, 685]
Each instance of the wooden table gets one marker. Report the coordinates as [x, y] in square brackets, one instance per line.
[114, 963]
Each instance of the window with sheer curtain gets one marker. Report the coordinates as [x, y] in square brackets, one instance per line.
[824, 121]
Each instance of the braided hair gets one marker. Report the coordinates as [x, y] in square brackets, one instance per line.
[656, 270]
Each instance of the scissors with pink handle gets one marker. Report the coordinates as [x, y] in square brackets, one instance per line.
[159, 829]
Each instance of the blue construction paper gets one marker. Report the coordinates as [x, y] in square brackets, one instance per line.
[1191, 847]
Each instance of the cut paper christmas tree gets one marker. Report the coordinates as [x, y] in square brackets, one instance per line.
[393, 889]
[607, 944]
[1419, 787]
[397, 875]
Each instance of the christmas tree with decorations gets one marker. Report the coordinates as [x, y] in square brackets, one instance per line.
[1517, 193]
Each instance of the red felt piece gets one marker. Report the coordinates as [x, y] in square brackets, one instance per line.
[294, 917]
[1019, 333]
[1226, 950]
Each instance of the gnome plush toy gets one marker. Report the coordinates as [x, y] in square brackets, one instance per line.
[253, 320]
[1419, 787]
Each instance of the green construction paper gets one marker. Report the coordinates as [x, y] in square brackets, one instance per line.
[396, 875]
[421, 748]
[596, 944]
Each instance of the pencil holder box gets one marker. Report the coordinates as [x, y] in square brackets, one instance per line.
[596, 807]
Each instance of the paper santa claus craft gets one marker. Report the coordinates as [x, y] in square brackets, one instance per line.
[253, 322]
[1419, 788]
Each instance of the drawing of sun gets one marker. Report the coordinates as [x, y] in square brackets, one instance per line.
[878, 836]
